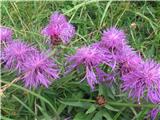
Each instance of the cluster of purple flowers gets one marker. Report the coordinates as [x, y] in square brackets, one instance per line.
[37, 68]
[91, 58]
[140, 78]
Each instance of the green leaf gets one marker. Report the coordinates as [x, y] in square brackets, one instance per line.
[5, 118]
[98, 115]
[82, 116]
[105, 11]
[118, 114]
[107, 115]
[91, 109]
[77, 104]
[101, 90]
[111, 108]
[142, 114]
[45, 115]
[24, 105]
[61, 108]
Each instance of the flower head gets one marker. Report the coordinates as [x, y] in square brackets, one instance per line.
[91, 58]
[128, 60]
[39, 70]
[15, 54]
[88, 56]
[113, 38]
[58, 18]
[110, 57]
[152, 77]
[145, 79]
[5, 34]
[154, 112]
[59, 29]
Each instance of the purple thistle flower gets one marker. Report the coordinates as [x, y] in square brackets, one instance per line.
[39, 70]
[110, 57]
[154, 112]
[91, 58]
[145, 79]
[128, 60]
[154, 94]
[58, 18]
[113, 38]
[104, 77]
[5, 34]
[59, 29]
[152, 76]
[15, 54]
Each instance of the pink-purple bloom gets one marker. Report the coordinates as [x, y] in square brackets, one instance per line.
[113, 38]
[5, 34]
[39, 70]
[59, 29]
[145, 79]
[91, 58]
[127, 59]
[15, 54]
[154, 113]
[110, 58]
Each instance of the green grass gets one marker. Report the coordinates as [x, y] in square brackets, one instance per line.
[67, 97]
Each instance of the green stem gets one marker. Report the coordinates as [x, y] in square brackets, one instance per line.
[131, 104]
[80, 5]
[121, 104]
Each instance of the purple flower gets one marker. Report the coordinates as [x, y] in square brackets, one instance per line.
[128, 60]
[113, 38]
[59, 29]
[58, 18]
[15, 54]
[104, 77]
[91, 58]
[5, 34]
[152, 75]
[154, 112]
[110, 58]
[145, 79]
[39, 70]
[154, 93]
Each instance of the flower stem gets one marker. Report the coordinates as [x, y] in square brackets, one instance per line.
[121, 104]
[131, 104]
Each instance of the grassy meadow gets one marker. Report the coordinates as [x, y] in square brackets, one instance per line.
[68, 98]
